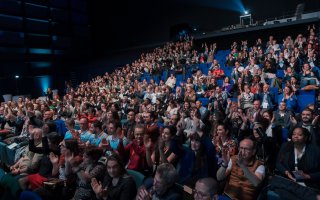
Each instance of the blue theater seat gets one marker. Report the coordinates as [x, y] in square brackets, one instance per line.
[204, 101]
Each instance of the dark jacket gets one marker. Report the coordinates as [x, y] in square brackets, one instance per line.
[309, 162]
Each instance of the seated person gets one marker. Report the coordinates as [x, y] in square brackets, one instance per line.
[289, 98]
[195, 162]
[135, 151]
[163, 185]
[206, 189]
[171, 81]
[168, 148]
[30, 161]
[308, 79]
[117, 184]
[244, 172]
[299, 160]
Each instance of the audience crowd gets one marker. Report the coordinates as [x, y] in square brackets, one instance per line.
[163, 128]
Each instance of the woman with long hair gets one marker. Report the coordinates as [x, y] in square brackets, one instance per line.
[194, 163]
[117, 184]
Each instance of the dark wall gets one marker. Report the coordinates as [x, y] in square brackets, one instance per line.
[224, 42]
[41, 38]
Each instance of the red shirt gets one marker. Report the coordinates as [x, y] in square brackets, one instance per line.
[137, 156]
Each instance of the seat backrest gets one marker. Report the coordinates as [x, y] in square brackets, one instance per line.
[137, 176]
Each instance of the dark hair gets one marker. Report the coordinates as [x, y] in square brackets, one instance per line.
[173, 129]
[51, 125]
[54, 138]
[305, 133]
[97, 124]
[116, 157]
[225, 127]
[72, 145]
[94, 153]
[195, 136]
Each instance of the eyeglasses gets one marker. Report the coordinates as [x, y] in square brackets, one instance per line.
[245, 149]
[200, 194]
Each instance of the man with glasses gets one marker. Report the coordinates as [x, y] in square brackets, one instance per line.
[163, 186]
[84, 130]
[244, 172]
[206, 189]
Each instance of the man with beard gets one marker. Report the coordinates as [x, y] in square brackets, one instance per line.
[310, 122]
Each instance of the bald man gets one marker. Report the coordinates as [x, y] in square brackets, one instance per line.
[244, 172]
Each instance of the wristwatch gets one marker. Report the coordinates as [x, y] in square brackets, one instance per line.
[224, 165]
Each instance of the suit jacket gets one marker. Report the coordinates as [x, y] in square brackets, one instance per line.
[270, 99]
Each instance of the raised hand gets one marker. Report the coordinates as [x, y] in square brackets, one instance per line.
[225, 155]
[96, 186]
[147, 143]
[315, 120]
[293, 120]
[143, 194]
[240, 160]
[161, 144]
[54, 158]
[68, 156]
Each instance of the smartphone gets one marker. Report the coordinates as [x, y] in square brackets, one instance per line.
[297, 175]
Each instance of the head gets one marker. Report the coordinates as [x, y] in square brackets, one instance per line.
[174, 119]
[205, 189]
[97, 127]
[54, 140]
[83, 123]
[92, 155]
[282, 106]
[222, 130]
[300, 136]
[165, 177]
[195, 142]
[69, 124]
[247, 149]
[168, 133]
[148, 117]
[139, 132]
[115, 166]
[37, 134]
[256, 104]
[267, 115]
[306, 116]
[69, 146]
[265, 88]
[111, 128]
[131, 116]
[287, 90]
[49, 127]
[47, 115]
[198, 104]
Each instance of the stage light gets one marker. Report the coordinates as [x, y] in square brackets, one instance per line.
[246, 12]
[16, 76]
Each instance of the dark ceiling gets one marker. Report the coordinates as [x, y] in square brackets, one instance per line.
[123, 23]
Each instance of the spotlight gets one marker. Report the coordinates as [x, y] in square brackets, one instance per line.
[16, 76]
[246, 12]
[195, 29]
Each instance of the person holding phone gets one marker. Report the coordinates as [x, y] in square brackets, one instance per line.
[299, 161]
